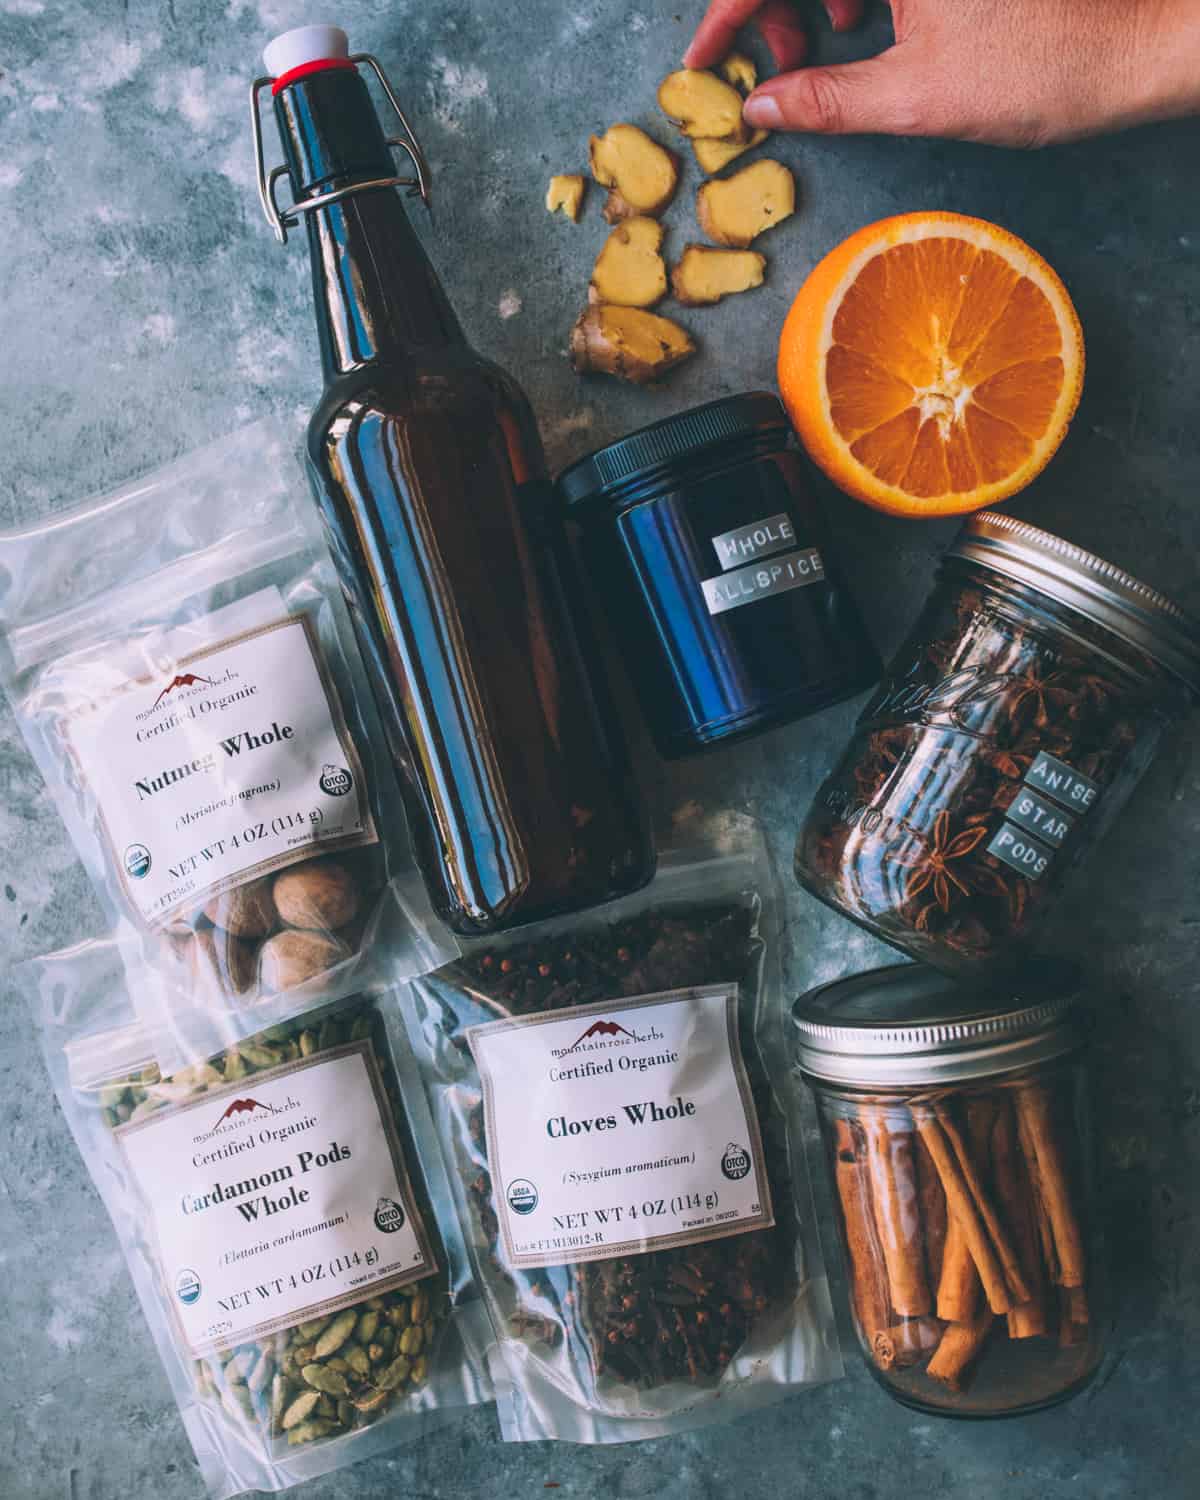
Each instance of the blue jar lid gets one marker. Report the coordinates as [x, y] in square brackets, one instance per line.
[676, 437]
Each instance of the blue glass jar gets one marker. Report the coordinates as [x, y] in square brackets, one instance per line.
[713, 565]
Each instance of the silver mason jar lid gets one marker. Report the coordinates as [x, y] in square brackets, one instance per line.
[909, 1025]
[1086, 583]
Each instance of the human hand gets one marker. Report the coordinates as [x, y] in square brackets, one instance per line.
[1008, 72]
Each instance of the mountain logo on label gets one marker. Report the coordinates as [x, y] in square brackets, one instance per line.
[336, 781]
[735, 1164]
[603, 1028]
[245, 1107]
[184, 679]
[389, 1216]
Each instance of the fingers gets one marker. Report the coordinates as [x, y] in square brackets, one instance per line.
[718, 31]
[783, 33]
[885, 94]
[844, 14]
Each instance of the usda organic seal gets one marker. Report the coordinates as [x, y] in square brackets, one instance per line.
[522, 1196]
[187, 1286]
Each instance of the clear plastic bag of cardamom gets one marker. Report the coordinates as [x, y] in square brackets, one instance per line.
[181, 663]
[286, 1217]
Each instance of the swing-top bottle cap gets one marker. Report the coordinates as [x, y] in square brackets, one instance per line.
[303, 45]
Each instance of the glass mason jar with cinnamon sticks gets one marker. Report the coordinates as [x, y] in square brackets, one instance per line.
[1008, 731]
[955, 1133]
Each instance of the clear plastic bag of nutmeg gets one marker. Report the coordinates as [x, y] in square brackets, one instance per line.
[608, 1093]
[955, 1133]
[180, 661]
[285, 1215]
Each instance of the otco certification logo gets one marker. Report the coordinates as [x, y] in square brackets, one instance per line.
[522, 1196]
[137, 861]
[736, 1162]
[335, 781]
[389, 1216]
[187, 1287]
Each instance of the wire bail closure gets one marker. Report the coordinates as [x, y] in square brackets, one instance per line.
[285, 218]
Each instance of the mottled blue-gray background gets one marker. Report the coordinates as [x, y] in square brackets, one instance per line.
[145, 308]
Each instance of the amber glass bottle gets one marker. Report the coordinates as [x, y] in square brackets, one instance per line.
[428, 468]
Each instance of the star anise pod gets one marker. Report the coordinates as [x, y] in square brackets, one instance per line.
[931, 863]
[1043, 693]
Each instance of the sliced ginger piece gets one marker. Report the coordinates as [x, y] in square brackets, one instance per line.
[739, 70]
[701, 104]
[629, 269]
[565, 194]
[703, 275]
[713, 155]
[736, 210]
[640, 174]
[628, 343]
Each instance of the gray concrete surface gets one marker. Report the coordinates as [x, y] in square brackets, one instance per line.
[144, 308]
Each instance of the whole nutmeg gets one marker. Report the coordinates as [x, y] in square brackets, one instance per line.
[321, 895]
[220, 963]
[292, 956]
[248, 911]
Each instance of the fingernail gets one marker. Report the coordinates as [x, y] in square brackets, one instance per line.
[763, 112]
[689, 55]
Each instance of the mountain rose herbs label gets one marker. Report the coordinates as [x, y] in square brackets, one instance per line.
[232, 761]
[278, 1199]
[619, 1127]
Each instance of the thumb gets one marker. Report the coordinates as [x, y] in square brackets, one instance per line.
[888, 94]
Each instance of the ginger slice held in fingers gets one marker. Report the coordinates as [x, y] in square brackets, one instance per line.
[736, 210]
[714, 155]
[701, 104]
[703, 275]
[640, 174]
[628, 342]
[739, 70]
[565, 194]
[629, 269]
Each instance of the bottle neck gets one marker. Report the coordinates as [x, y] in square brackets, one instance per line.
[377, 298]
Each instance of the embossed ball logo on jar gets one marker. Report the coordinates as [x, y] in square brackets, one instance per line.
[389, 1216]
[335, 781]
[735, 1164]
[522, 1196]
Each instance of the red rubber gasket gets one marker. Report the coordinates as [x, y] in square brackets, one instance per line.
[318, 65]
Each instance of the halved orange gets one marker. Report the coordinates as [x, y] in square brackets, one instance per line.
[931, 364]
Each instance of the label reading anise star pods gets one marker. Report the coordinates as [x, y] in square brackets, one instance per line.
[1035, 825]
[621, 1127]
[229, 760]
[278, 1199]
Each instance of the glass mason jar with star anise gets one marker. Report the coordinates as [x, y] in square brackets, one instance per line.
[1008, 731]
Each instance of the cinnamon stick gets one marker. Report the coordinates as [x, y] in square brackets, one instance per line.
[868, 1287]
[958, 1286]
[913, 1339]
[960, 1346]
[897, 1220]
[961, 1204]
[932, 1208]
[1047, 1166]
[997, 1233]
[1072, 1316]
[1015, 1195]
